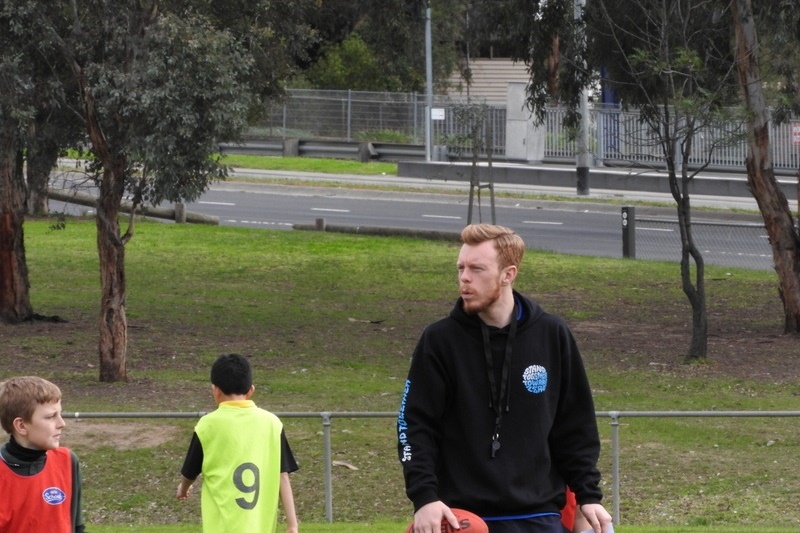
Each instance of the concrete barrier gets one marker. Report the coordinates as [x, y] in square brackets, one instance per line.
[178, 215]
[320, 225]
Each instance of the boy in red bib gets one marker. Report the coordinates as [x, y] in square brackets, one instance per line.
[40, 482]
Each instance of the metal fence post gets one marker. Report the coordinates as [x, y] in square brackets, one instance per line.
[349, 114]
[326, 432]
[615, 463]
[629, 232]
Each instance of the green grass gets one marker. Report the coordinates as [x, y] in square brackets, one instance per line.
[305, 164]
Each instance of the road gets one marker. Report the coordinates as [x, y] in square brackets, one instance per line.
[573, 227]
[580, 228]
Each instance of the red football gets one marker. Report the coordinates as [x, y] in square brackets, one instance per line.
[470, 523]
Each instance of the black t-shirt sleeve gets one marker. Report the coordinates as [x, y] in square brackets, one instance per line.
[193, 464]
[288, 464]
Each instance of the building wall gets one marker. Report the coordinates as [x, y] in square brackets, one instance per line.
[490, 79]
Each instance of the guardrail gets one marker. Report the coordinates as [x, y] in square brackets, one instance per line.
[328, 416]
[337, 149]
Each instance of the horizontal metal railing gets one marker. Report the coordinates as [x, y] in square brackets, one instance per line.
[328, 416]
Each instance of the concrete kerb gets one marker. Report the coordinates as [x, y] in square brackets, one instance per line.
[382, 231]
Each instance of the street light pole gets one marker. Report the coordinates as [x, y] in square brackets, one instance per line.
[583, 156]
[429, 82]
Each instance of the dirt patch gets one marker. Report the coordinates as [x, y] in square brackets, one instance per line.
[90, 434]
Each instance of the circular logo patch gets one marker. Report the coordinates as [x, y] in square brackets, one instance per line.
[535, 379]
[54, 496]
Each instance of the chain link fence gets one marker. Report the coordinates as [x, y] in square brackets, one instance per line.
[616, 136]
[385, 117]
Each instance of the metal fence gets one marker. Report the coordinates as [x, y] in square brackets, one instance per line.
[327, 417]
[348, 115]
[620, 137]
[371, 116]
[616, 136]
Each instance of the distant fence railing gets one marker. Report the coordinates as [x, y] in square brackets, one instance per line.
[616, 136]
[620, 137]
[328, 416]
[376, 116]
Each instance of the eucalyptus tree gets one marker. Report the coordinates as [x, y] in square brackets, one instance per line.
[161, 84]
[778, 40]
[15, 114]
[781, 57]
[669, 59]
[55, 126]
[18, 97]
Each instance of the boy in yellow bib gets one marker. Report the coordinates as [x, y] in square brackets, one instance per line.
[242, 452]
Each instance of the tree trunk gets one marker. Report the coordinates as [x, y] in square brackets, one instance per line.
[760, 174]
[42, 158]
[113, 322]
[111, 249]
[696, 293]
[15, 304]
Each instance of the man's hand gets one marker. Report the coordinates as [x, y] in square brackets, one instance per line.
[429, 518]
[597, 517]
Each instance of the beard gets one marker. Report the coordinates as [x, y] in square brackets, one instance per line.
[482, 303]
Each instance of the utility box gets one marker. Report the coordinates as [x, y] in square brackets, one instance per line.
[440, 153]
[524, 140]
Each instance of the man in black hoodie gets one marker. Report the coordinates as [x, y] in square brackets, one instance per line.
[497, 416]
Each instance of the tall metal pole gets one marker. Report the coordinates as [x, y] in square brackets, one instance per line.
[429, 82]
[583, 157]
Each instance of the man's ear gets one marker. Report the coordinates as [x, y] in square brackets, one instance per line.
[509, 275]
[250, 392]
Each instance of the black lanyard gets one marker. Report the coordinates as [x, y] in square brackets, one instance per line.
[496, 399]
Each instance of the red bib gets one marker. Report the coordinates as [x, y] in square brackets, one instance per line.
[40, 503]
[568, 512]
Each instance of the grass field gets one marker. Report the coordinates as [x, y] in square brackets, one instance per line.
[330, 321]
[305, 164]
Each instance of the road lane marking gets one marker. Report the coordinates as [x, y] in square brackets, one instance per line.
[258, 222]
[543, 222]
[442, 216]
[215, 203]
[330, 210]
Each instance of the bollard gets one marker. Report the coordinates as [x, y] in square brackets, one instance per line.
[629, 232]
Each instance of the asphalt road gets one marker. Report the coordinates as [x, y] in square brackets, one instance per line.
[576, 227]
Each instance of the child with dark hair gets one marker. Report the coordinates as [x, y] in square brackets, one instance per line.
[40, 481]
[242, 452]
